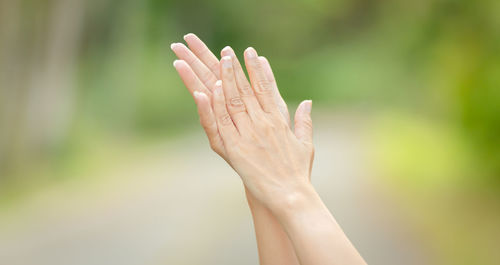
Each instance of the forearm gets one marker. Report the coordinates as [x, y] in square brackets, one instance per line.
[274, 246]
[250, 129]
[313, 231]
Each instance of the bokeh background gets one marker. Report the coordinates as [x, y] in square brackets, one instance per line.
[102, 160]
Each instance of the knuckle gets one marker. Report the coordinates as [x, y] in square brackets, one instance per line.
[264, 86]
[190, 60]
[260, 124]
[246, 90]
[225, 119]
[207, 76]
[236, 102]
[268, 126]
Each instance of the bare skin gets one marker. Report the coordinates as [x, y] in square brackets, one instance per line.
[247, 124]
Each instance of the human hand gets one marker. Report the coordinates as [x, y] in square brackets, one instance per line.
[248, 125]
[246, 128]
[199, 69]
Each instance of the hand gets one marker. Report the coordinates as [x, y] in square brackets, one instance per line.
[248, 125]
[199, 68]
[257, 141]
[273, 244]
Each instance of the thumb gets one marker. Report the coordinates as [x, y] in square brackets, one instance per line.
[303, 122]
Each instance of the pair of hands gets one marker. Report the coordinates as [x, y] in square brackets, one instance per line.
[247, 123]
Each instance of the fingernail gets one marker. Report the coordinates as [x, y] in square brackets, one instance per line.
[199, 94]
[218, 87]
[308, 106]
[226, 51]
[173, 45]
[189, 34]
[251, 53]
[176, 62]
[226, 62]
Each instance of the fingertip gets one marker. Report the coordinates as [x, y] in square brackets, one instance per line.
[306, 106]
[177, 45]
[226, 51]
[218, 88]
[190, 36]
[180, 64]
[200, 96]
[250, 53]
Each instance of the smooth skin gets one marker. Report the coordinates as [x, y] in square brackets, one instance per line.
[248, 125]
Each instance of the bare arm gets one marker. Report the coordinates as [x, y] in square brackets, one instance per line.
[200, 69]
[273, 161]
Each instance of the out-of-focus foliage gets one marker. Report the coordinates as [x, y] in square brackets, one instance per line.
[82, 80]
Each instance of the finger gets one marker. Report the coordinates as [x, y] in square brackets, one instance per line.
[189, 78]
[260, 84]
[251, 103]
[202, 71]
[225, 124]
[303, 122]
[208, 122]
[234, 103]
[203, 52]
[277, 96]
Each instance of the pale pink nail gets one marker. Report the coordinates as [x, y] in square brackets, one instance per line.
[226, 50]
[251, 53]
[308, 106]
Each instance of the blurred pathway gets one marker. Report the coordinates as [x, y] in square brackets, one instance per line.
[181, 204]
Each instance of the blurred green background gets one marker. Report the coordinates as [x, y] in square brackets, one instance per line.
[88, 86]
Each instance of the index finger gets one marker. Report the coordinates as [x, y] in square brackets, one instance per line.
[201, 50]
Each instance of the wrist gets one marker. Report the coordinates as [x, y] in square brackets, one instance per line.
[296, 200]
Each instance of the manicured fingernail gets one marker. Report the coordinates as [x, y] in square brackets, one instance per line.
[226, 51]
[251, 53]
[218, 87]
[308, 106]
[199, 94]
[172, 46]
[226, 62]
[188, 35]
[176, 62]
